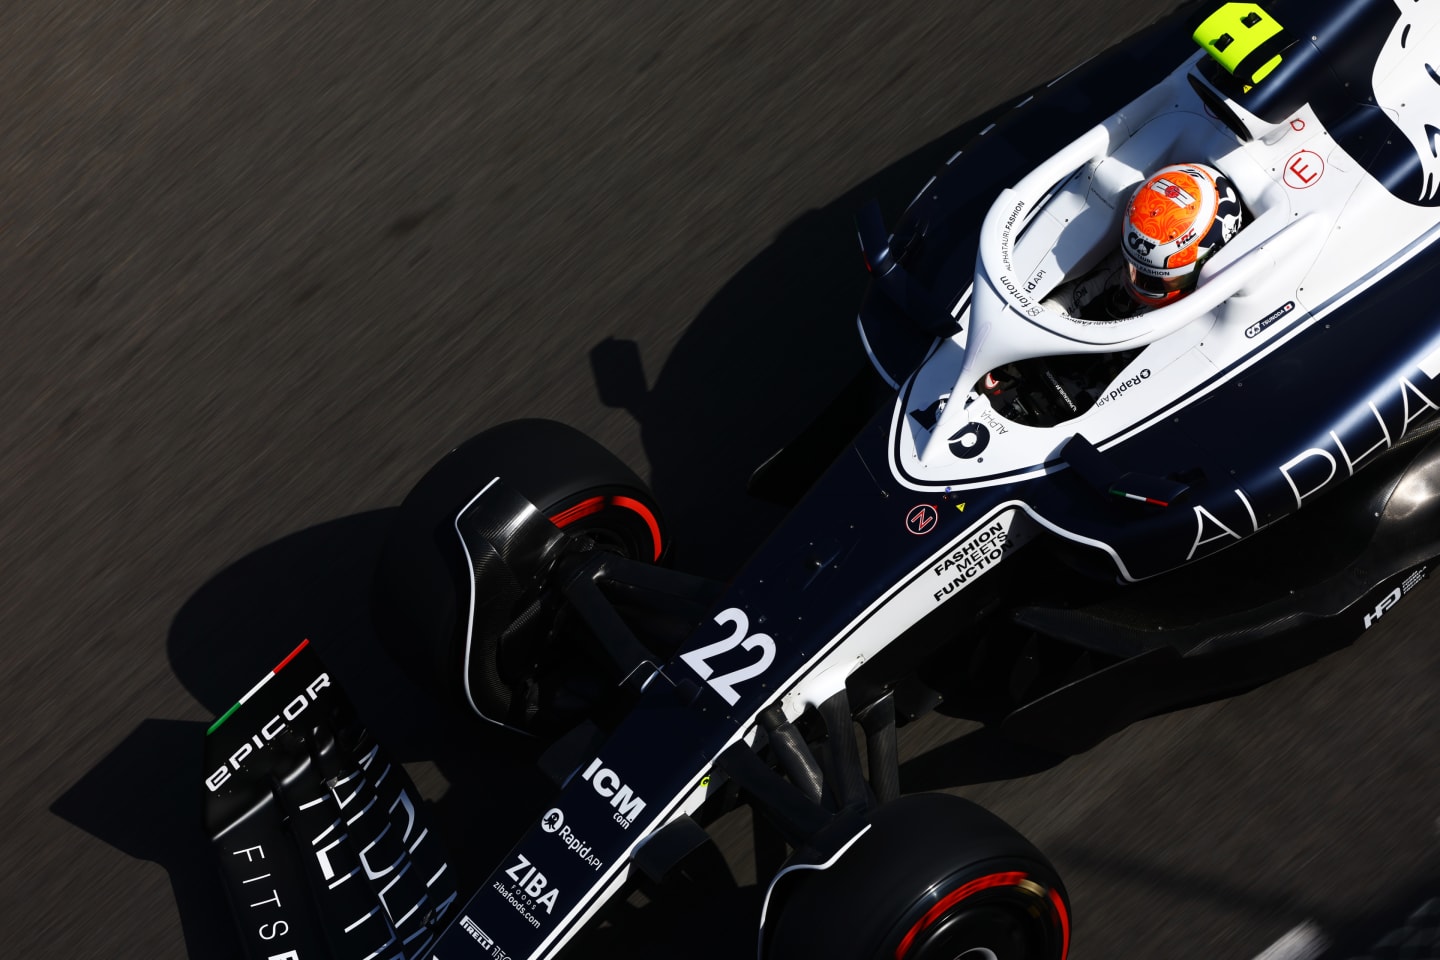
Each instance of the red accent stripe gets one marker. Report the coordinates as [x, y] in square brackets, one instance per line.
[1064, 915]
[584, 508]
[595, 504]
[949, 900]
[647, 516]
[303, 644]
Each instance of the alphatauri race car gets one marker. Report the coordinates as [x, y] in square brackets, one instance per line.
[1062, 520]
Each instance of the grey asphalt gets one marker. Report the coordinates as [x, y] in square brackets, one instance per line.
[261, 263]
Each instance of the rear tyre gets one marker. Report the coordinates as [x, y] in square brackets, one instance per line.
[528, 672]
[934, 878]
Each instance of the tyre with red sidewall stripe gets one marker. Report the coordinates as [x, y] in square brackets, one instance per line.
[934, 878]
[531, 676]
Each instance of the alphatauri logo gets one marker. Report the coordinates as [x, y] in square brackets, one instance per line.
[608, 784]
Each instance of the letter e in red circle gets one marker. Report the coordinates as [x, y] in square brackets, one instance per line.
[1303, 169]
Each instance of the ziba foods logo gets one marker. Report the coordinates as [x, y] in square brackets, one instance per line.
[529, 889]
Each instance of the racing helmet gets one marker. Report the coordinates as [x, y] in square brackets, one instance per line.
[1175, 221]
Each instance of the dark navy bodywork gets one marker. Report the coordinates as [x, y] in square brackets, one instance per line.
[1298, 510]
[1207, 596]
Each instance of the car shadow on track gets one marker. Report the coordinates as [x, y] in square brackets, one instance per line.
[143, 800]
[1407, 926]
[482, 784]
[761, 360]
[757, 364]
[1404, 925]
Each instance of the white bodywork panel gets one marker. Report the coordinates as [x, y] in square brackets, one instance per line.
[1321, 230]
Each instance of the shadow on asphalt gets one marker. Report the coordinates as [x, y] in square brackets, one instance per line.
[1406, 926]
[758, 363]
[144, 800]
[980, 755]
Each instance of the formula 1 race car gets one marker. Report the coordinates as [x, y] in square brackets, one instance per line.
[1059, 522]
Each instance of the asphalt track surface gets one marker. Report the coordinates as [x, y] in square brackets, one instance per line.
[264, 262]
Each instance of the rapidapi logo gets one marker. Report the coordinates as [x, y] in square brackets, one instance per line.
[554, 823]
[608, 784]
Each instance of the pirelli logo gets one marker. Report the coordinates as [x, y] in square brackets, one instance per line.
[481, 937]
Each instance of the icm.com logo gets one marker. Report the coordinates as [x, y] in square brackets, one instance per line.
[608, 784]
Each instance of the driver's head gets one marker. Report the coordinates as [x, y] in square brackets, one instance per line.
[1175, 221]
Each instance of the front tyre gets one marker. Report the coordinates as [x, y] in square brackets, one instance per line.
[510, 655]
[934, 878]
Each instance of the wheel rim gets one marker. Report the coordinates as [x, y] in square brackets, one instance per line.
[614, 520]
[563, 686]
[999, 916]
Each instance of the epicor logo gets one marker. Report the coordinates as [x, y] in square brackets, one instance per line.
[607, 783]
[270, 730]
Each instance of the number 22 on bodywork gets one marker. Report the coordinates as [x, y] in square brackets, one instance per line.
[740, 636]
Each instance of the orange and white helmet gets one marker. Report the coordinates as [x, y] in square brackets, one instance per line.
[1175, 221]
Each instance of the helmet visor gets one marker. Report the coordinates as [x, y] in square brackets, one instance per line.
[1160, 288]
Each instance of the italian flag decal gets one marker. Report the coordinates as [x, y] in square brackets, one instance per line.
[256, 689]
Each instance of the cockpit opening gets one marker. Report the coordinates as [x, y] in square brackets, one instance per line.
[1044, 391]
